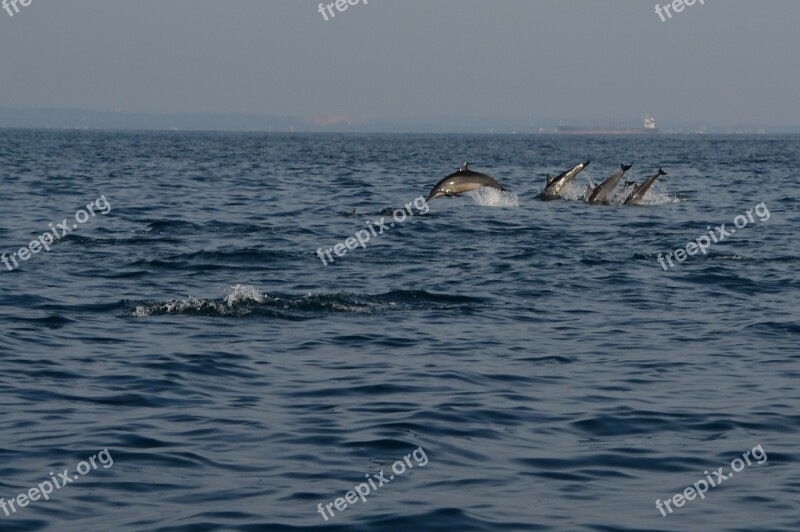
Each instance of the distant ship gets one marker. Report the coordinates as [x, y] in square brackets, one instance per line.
[648, 129]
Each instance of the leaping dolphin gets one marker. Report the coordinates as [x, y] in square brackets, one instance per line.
[557, 187]
[637, 196]
[603, 192]
[464, 180]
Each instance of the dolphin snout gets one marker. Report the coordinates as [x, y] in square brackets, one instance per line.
[435, 193]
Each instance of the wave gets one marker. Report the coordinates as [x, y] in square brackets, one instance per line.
[247, 300]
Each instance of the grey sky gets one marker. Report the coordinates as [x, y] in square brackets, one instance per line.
[728, 61]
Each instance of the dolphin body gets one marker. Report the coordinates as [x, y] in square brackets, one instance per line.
[602, 193]
[464, 180]
[557, 187]
[637, 196]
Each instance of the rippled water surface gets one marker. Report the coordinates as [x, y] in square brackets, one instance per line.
[553, 374]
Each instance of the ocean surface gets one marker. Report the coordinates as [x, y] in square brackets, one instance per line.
[530, 365]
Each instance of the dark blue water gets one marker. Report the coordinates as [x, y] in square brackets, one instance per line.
[554, 375]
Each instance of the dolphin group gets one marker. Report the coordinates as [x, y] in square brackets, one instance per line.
[557, 187]
[466, 180]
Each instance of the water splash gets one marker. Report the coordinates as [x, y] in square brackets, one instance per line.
[237, 300]
[576, 192]
[491, 197]
[243, 293]
[658, 195]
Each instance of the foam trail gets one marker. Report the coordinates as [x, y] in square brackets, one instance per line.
[246, 300]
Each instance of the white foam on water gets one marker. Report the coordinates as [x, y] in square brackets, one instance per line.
[243, 293]
[576, 192]
[239, 294]
[657, 195]
[174, 306]
[491, 197]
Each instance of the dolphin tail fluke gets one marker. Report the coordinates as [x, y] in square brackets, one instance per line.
[661, 172]
[625, 167]
[587, 163]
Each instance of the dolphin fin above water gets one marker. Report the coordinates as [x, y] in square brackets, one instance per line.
[637, 196]
[604, 191]
[557, 187]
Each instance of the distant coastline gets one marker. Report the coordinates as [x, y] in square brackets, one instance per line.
[77, 119]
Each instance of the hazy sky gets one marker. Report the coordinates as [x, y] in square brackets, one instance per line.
[728, 61]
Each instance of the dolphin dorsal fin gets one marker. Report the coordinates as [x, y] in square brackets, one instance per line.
[549, 179]
[464, 167]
